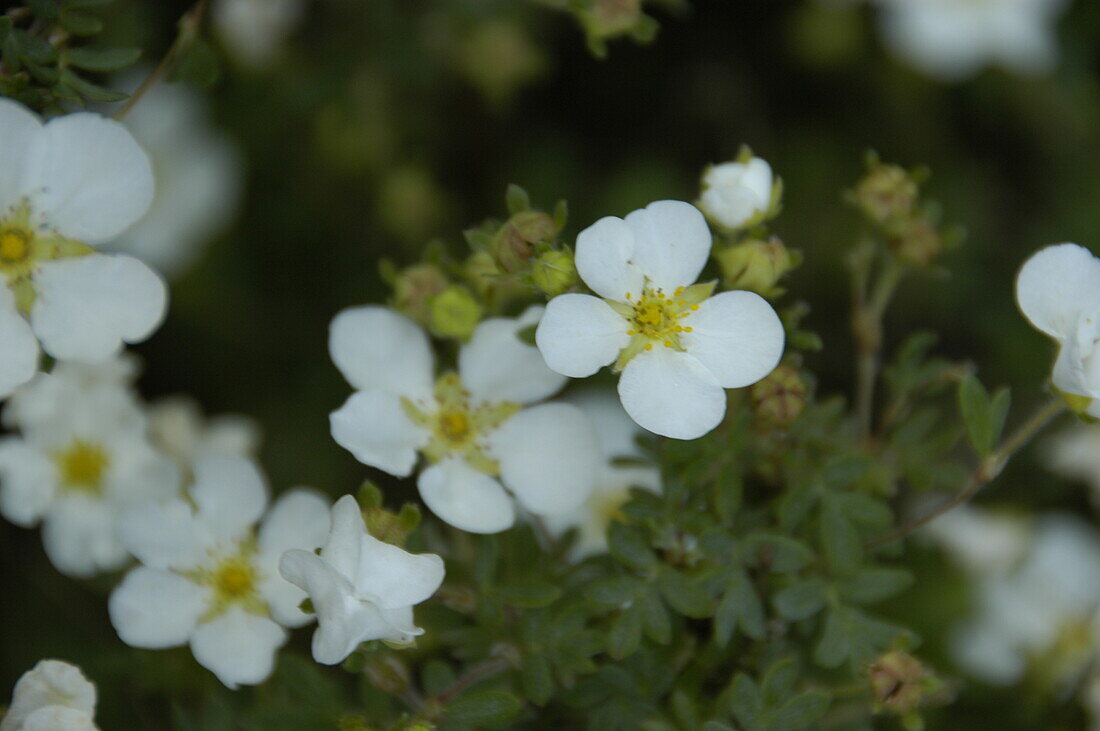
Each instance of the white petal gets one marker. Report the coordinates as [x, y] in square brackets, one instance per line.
[49, 684]
[579, 334]
[497, 366]
[671, 243]
[155, 609]
[58, 718]
[672, 394]
[737, 336]
[27, 482]
[374, 426]
[80, 536]
[549, 457]
[465, 498]
[230, 493]
[1056, 284]
[375, 347]
[238, 647]
[164, 535]
[19, 356]
[735, 192]
[89, 306]
[603, 258]
[395, 577]
[299, 519]
[19, 129]
[94, 181]
[616, 431]
[342, 549]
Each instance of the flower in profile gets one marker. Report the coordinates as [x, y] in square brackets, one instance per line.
[676, 344]
[67, 186]
[51, 696]
[82, 459]
[209, 578]
[254, 31]
[361, 588]
[954, 39]
[623, 467]
[737, 194]
[1058, 290]
[471, 426]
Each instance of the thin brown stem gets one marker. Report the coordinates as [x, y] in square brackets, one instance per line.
[867, 317]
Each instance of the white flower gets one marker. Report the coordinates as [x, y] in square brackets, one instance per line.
[616, 433]
[470, 426]
[254, 30]
[178, 428]
[198, 179]
[954, 39]
[82, 459]
[66, 186]
[52, 696]
[207, 578]
[735, 193]
[1058, 290]
[361, 588]
[980, 541]
[1075, 453]
[677, 346]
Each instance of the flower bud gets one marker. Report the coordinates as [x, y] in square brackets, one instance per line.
[387, 673]
[737, 194]
[513, 245]
[414, 289]
[610, 18]
[780, 397]
[454, 313]
[756, 265]
[916, 242]
[555, 272]
[886, 193]
[898, 680]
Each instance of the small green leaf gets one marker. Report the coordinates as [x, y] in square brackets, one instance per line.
[81, 24]
[626, 633]
[531, 594]
[627, 544]
[777, 553]
[88, 90]
[538, 682]
[740, 606]
[102, 59]
[977, 415]
[517, 199]
[745, 700]
[484, 707]
[801, 600]
[873, 585]
[614, 592]
[839, 537]
[685, 595]
[658, 625]
[998, 412]
[799, 712]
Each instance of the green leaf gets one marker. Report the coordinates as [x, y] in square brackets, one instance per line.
[849, 634]
[537, 680]
[801, 600]
[626, 633]
[484, 707]
[839, 537]
[998, 412]
[869, 512]
[102, 59]
[530, 594]
[198, 65]
[81, 24]
[873, 585]
[777, 553]
[46, 10]
[982, 419]
[628, 545]
[80, 4]
[88, 90]
[744, 700]
[614, 592]
[686, 595]
[779, 680]
[517, 199]
[33, 48]
[658, 625]
[799, 712]
[740, 606]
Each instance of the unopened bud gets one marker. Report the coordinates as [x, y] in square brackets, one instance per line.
[899, 682]
[610, 18]
[387, 673]
[454, 313]
[780, 397]
[916, 241]
[555, 272]
[414, 289]
[886, 193]
[739, 194]
[756, 265]
[514, 243]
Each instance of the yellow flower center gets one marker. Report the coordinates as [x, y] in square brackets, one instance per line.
[234, 579]
[82, 466]
[656, 317]
[454, 426]
[15, 246]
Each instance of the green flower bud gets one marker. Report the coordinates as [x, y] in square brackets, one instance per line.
[414, 289]
[779, 398]
[917, 242]
[886, 193]
[411, 204]
[555, 272]
[756, 265]
[499, 58]
[899, 682]
[454, 313]
[513, 245]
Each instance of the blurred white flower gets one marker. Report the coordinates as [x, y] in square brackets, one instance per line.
[1058, 290]
[677, 346]
[1024, 613]
[361, 588]
[52, 696]
[981, 542]
[954, 39]
[471, 425]
[178, 428]
[254, 31]
[735, 193]
[82, 459]
[615, 433]
[1075, 453]
[76, 182]
[198, 179]
[207, 578]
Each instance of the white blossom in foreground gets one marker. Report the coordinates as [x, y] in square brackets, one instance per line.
[1058, 290]
[1075, 453]
[471, 426]
[178, 428]
[981, 542]
[208, 578]
[66, 186]
[52, 696]
[82, 459]
[198, 179]
[361, 588]
[737, 193]
[254, 31]
[676, 345]
[616, 433]
[954, 39]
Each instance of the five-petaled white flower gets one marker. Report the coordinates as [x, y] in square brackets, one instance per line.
[677, 346]
[361, 588]
[1058, 290]
[737, 193]
[82, 458]
[616, 434]
[208, 578]
[51, 696]
[470, 426]
[66, 186]
[954, 39]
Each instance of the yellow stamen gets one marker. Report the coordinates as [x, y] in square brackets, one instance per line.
[14, 246]
[82, 467]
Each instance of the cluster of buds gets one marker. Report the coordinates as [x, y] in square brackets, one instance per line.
[780, 398]
[757, 265]
[383, 524]
[425, 293]
[902, 684]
